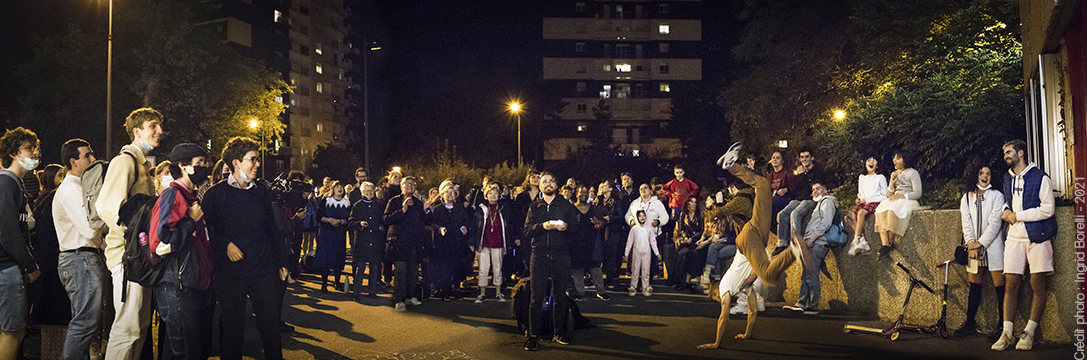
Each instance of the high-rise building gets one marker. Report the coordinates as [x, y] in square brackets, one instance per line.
[305, 41]
[616, 65]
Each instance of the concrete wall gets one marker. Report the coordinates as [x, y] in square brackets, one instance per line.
[863, 285]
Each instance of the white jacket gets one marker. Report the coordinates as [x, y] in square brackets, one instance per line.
[654, 210]
[991, 225]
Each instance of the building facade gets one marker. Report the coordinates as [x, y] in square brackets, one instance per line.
[305, 40]
[615, 64]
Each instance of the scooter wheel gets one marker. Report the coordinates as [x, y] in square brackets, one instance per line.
[894, 336]
[944, 333]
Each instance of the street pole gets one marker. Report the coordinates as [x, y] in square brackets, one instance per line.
[263, 150]
[109, 82]
[519, 161]
[366, 101]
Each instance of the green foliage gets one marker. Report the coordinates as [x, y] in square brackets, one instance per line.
[945, 196]
[430, 172]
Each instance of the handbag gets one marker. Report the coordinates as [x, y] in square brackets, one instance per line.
[961, 255]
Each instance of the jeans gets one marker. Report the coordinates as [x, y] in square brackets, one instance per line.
[717, 251]
[809, 280]
[187, 316]
[405, 279]
[557, 268]
[597, 276]
[791, 220]
[84, 277]
[261, 292]
[13, 306]
[132, 317]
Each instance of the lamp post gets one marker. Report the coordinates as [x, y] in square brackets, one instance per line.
[254, 124]
[515, 108]
[366, 97]
[109, 78]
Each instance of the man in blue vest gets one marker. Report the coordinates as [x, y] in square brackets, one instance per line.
[1031, 227]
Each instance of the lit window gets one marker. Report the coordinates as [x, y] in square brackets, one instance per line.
[607, 67]
[320, 87]
[580, 7]
[634, 152]
[580, 86]
[320, 70]
[664, 47]
[580, 47]
[581, 128]
[279, 99]
[664, 68]
[320, 127]
[622, 68]
[665, 87]
[664, 28]
[606, 93]
[278, 15]
[318, 49]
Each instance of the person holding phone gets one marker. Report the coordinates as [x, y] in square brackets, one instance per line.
[548, 218]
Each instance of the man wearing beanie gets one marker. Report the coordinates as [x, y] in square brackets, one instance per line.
[178, 235]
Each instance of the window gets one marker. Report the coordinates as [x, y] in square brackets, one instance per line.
[580, 87]
[622, 91]
[664, 8]
[618, 11]
[622, 68]
[663, 28]
[278, 16]
[580, 128]
[664, 47]
[638, 68]
[606, 93]
[622, 51]
[320, 87]
[317, 49]
[580, 47]
[607, 50]
[581, 108]
[320, 127]
[607, 68]
[319, 69]
[579, 7]
[665, 87]
[664, 68]
[304, 50]
[279, 99]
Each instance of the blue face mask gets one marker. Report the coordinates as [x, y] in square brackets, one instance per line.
[146, 147]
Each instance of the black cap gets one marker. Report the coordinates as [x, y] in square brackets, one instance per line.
[186, 151]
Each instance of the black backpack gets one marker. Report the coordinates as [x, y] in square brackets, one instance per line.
[522, 298]
[141, 264]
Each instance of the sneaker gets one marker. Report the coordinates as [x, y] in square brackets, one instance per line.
[647, 291]
[811, 311]
[400, 306]
[794, 308]
[967, 329]
[500, 297]
[632, 291]
[479, 299]
[738, 309]
[729, 158]
[778, 250]
[1003, 343]
[532, 343]
[291, 280]
[762, 306]
[415, 302]
[575, 297]
[1026, 342]
[853, 247]
[561, 339]
[603, 296]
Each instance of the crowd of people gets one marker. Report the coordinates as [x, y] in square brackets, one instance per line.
[181, 238]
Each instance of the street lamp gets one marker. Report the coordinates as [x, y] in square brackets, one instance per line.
[109, 78]
[253, 124]
[839, 114]
[515, 108]
[366, 97]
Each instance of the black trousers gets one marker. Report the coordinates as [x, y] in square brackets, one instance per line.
[261, 291]
[545, 269]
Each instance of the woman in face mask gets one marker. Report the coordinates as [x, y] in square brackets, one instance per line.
[162, 177]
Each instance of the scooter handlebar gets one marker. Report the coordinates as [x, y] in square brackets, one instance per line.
[914, 278]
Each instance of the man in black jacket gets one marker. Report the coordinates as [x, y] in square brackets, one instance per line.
[546, 225]
[406, 216]
[369, 239]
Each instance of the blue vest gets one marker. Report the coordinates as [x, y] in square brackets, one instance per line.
[1037, 231]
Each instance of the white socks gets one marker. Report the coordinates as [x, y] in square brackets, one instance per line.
[1031, 326]
[1008, 327]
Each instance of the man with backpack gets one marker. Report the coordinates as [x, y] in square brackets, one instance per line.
[183, 296]
[819, 243]
[80, 263]
[18, 268]
[128, 174]
[248, 253]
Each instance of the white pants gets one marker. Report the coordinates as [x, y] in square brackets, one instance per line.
[127, 334]
[639, 267]
[490, 258]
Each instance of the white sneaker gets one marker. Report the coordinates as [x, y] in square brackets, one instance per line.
[648, 291]
[633, 291]
[762, 307]
[400, 306]
[729, 158]
[738, 309]
[501, 298]
[479, 299]
[1003, 343]
[291, 280]
[1026, 342]
[853, 247]
[415, 302]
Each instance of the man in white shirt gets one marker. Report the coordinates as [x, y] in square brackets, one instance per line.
[81, 265]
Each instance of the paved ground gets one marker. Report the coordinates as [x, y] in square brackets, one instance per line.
[666, 325]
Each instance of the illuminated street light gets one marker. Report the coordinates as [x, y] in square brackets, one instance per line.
[253, 124]
[515, 108]
[839, 114]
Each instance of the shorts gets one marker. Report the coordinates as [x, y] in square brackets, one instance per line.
[869, 207]
[13, 307]
[1019, 253]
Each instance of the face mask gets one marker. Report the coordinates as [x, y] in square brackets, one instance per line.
[166, 180]
[198, 175]
[146, 147]
[245, 177]
[28, 163]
